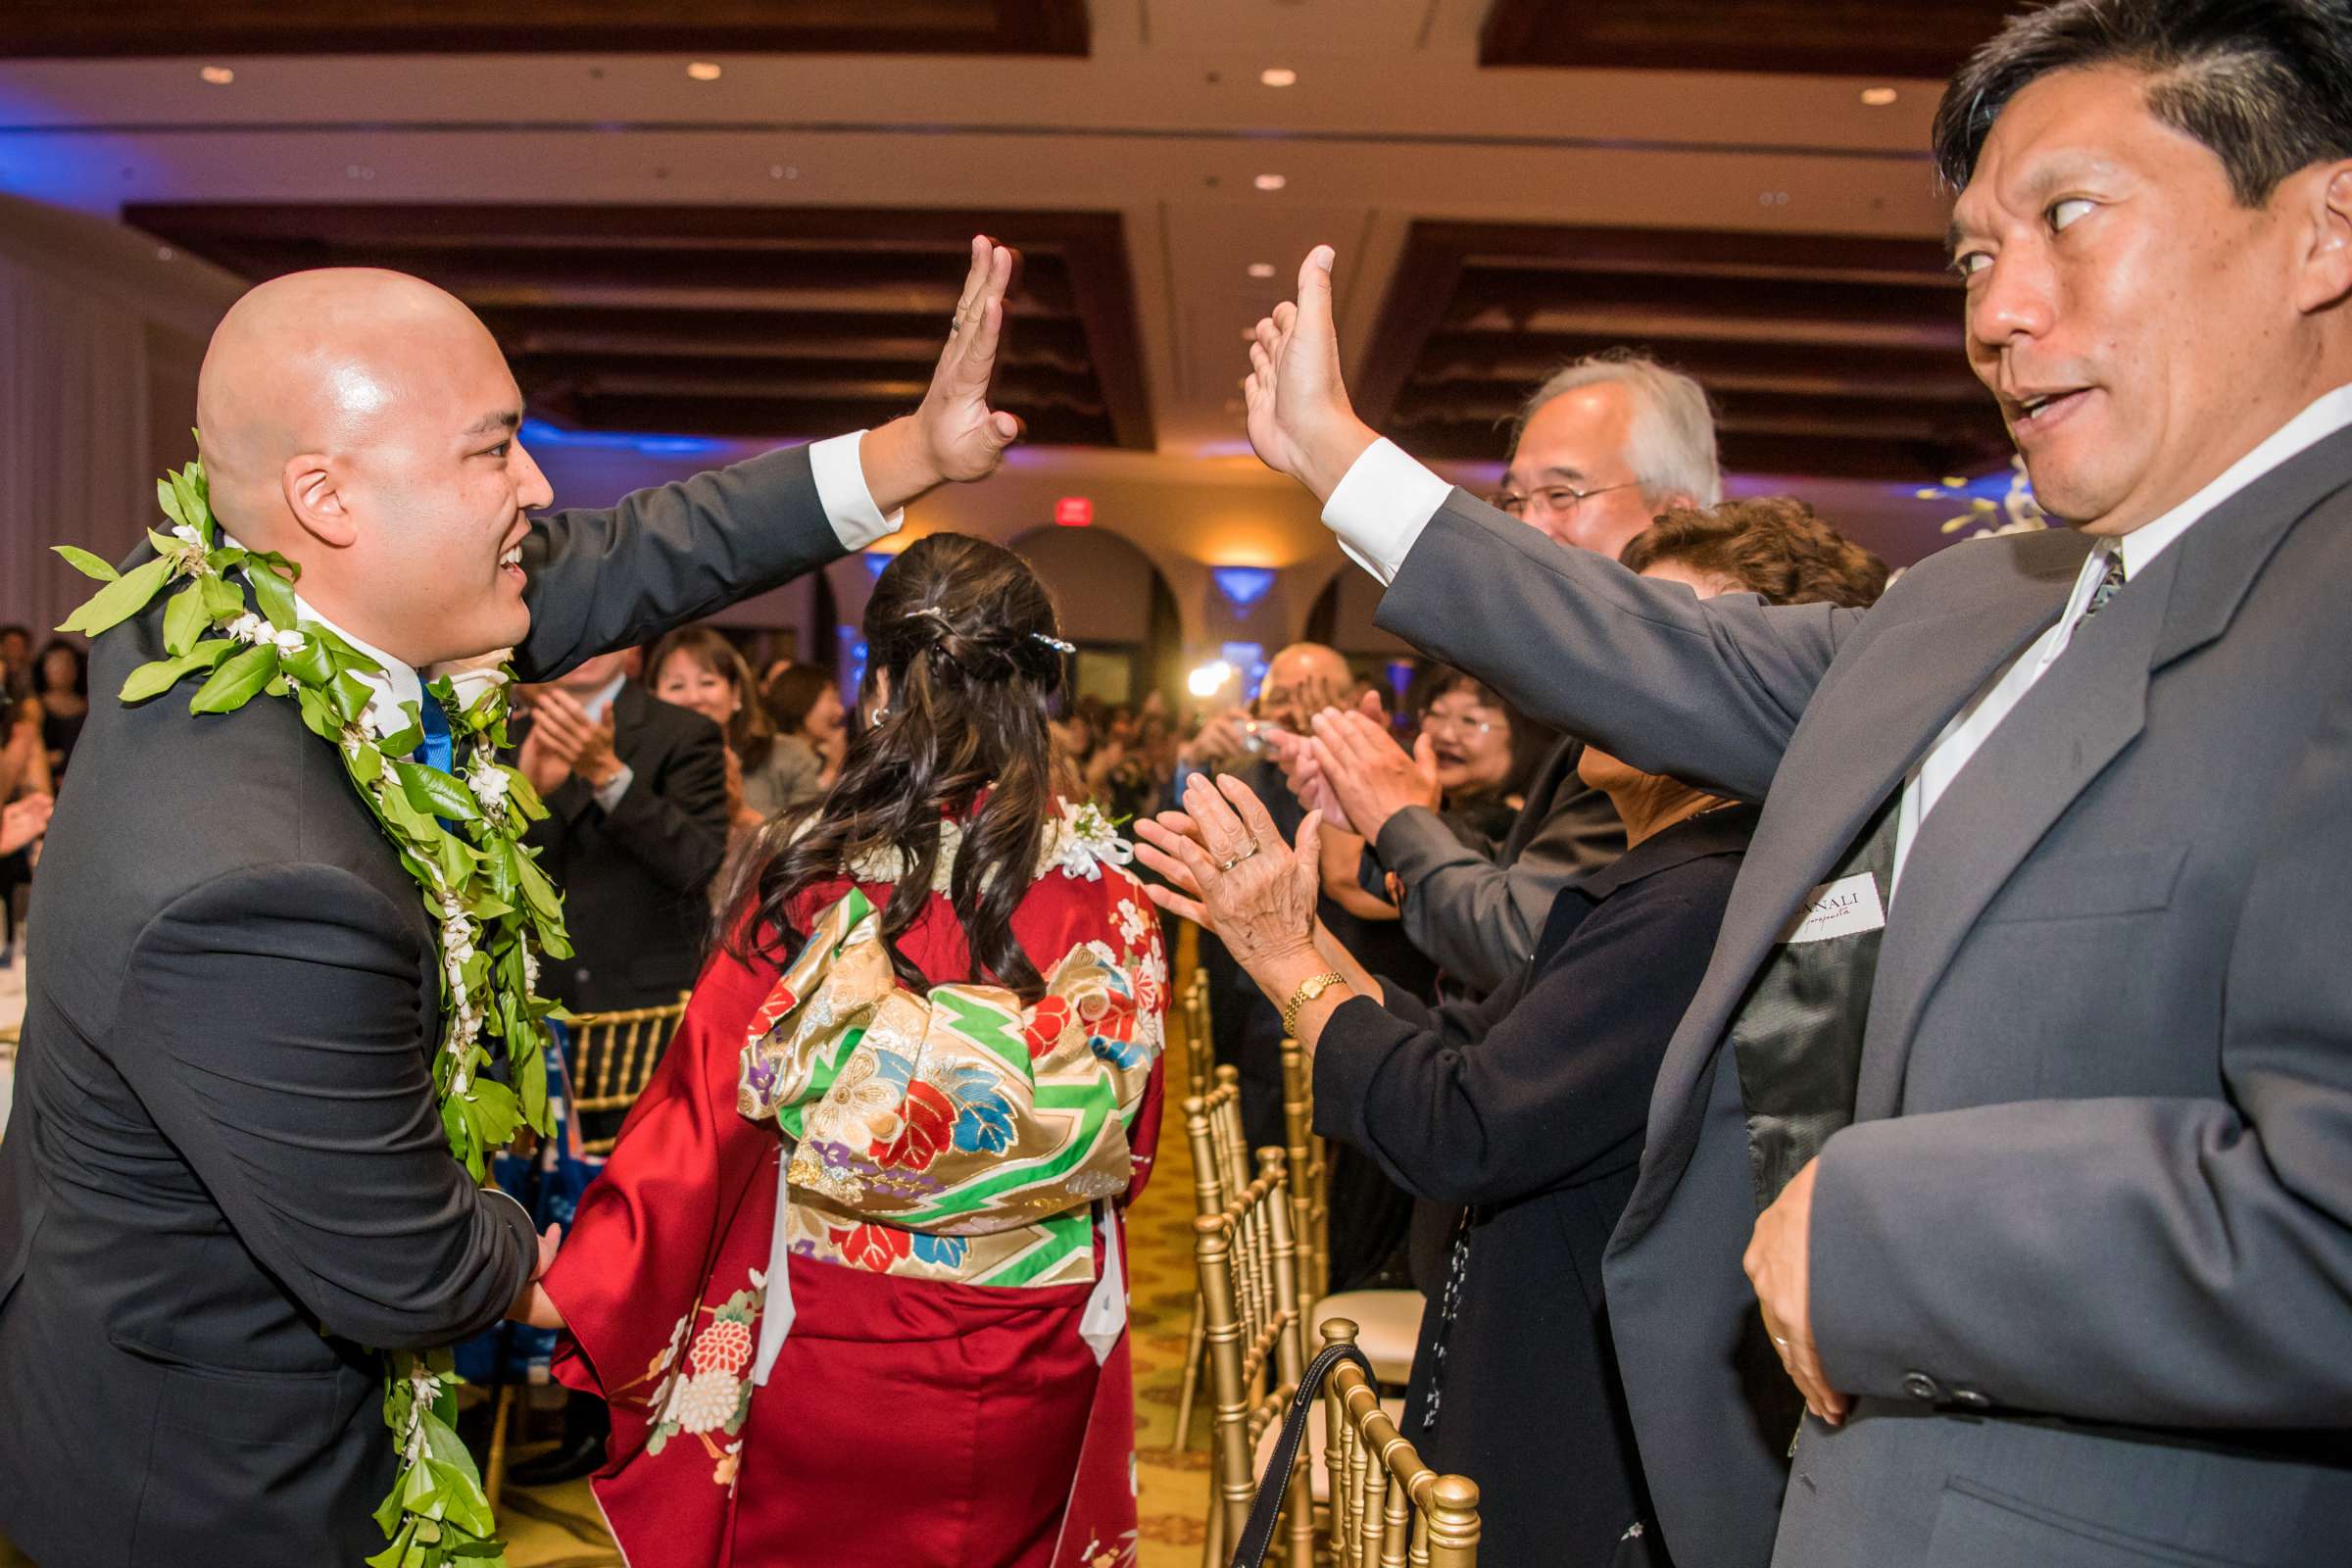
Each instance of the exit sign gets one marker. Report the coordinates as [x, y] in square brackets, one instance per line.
[1074, 512]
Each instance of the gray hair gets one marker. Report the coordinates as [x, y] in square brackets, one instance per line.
[1671, 446]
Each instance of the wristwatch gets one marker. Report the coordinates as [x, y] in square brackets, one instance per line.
[1308, 990]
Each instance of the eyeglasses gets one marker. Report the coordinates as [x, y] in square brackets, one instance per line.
[1460, 724]
[1557, 499]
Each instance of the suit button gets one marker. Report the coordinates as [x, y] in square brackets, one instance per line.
[1920, 1385]
[580, 974]
[1971, 1398]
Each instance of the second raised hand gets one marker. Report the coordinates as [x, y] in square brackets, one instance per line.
[1300, 422]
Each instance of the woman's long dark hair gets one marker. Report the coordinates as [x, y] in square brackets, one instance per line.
[968, 638]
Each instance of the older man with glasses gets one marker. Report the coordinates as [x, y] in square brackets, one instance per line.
[1603, 446]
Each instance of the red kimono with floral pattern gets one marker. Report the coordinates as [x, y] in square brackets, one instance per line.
[954, 1160]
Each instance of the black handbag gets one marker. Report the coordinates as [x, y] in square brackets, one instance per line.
[1266, 1509]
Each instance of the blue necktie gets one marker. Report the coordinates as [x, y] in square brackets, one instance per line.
[438, 751]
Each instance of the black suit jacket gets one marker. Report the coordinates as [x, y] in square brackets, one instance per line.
[636, 880]
[224, 1174]
[1528, 1107]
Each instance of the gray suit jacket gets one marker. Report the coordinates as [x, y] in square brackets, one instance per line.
[1479, 916]
[2086, 1257]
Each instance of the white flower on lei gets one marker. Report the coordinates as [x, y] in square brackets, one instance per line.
[249, 629]
[488, 781]
[473, 681]
[1088, 842]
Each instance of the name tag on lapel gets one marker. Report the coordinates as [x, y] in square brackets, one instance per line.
[1848, 906]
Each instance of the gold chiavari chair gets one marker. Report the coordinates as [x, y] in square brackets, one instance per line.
[611, 1060]
[1199, 1059]
[1388, 1508]
[1388, 1322]
[1216, 1178]
[1249, 1287]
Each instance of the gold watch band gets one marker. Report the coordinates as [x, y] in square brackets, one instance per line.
[1308, 990]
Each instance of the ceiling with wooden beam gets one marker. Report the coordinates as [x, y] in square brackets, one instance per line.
[69, 28]
[1826, 38]
[1823, 354]
[732, 320]
[714, 232]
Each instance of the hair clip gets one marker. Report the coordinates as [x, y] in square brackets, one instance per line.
[1054, 643]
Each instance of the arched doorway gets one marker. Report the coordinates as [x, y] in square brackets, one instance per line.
[1116, 608]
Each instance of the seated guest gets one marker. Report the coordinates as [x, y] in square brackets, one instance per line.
[695, 667]
[813, 731]
[1527, 1107]
[61, 681]
[636, 792]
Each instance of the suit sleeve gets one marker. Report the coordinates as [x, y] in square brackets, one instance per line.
[1554, 1088]
[674, 823]
[1706, 691]
[272, 1020]
[618, 576]
[2176, 1261]
[1479, 920]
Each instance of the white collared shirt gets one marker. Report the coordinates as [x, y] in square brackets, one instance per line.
[1385, 500]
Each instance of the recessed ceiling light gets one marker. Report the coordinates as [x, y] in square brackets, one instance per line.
[217, 76]
[163, 253]
[1261, 269]
[705, 71]
[1271, 182]
[1879, 97]
[1278, 75]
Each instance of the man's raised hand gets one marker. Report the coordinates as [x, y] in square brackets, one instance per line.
[954, 436]
[1301, 420]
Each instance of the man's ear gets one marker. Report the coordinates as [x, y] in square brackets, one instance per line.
[2324, 275]
[312, 483]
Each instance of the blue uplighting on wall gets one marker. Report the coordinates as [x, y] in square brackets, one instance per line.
[1243, 586]
[877, 562]
[539, 433]
[1251, 660]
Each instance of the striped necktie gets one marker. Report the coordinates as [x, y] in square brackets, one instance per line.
[2109, 584]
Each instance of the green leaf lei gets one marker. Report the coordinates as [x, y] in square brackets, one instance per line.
[457, 835]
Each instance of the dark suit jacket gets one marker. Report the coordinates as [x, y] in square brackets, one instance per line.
[224, 1174]
[1528, 1107]
[636, 880]
[1478, 915]
[2085, 1255]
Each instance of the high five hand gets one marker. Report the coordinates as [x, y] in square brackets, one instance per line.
[1301, 420]
[954, 436]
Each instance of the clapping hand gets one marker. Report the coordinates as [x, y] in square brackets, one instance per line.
[532, 1304]
[23, 821]
[1301, 420]
[564, 740]
[1254, 892]
[1368, 773]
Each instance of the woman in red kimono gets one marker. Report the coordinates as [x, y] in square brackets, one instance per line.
[852, 1282]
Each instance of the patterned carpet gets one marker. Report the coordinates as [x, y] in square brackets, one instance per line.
[558, 1526]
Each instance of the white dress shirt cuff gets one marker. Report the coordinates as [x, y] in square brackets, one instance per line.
[841, 488]
[1380, 507]
[614, 789]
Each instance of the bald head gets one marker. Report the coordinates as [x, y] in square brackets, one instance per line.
[1302, 681]
[317, 362]
[362, 422]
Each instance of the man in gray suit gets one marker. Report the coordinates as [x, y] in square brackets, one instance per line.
[2028, 1031]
